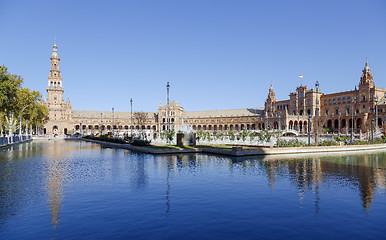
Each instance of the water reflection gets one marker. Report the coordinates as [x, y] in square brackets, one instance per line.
[47, 171]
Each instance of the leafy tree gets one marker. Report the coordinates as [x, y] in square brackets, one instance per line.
[21, 102]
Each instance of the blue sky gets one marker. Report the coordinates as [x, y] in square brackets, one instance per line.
[215, 54]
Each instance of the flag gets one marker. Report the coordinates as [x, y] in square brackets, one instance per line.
[300, 76]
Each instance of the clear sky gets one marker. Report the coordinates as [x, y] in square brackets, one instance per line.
[215, 54]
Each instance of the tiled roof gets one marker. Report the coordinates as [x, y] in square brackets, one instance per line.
[224, 113]
[105, 114]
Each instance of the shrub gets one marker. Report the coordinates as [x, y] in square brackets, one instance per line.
[244, 134]
[341, 139]
[328, 143]
[290, 143]
[231, 135]
[140, 142]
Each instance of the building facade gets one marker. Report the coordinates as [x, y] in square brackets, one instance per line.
[305, 110]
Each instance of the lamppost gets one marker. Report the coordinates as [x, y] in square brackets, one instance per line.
[131, 116]
[352, 120]
[168, 120]
[372, 131]
[317, 113]
[101, 128]
[113, 122]
[309, 130]
[339, 122]
[376, 112]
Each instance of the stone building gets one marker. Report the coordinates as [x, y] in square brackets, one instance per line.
[305, 110]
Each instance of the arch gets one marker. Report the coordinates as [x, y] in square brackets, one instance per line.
[296, 125]
[242, 127]
[343, 123]
[275, 125]
[143, 127]
[301, 112]
[231, 127]
[236, 127]
[220, 127]
[263, 126]
[77, 127]
[259, 126]
[350, 124]
[305, 126]
[210, 127]
[225, 127]
[194, 127]
[380, 123]
[336, 124]
[83, 127]
[148, 127]
[89, 127]
[215, 127]
[248, 126]
[96, 127]
[204, 127]
[137, 127]
[126, 127]
[154, 128]
[291, 124]
[359, 123]
[301, 126]
[108, 127]
[253, 127]
[329, 124]
[199, 127]
[120, 127]
[103, 127]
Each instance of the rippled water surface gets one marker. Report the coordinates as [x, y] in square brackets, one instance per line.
[76, 190]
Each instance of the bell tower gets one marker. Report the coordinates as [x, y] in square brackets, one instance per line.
[60, 115]
[55, 89]
[270, 103]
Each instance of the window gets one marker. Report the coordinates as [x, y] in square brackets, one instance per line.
[344, 100]
[329, 101]
[364, 106]
[334, 101]
[348, 99]
[339, 101]
[325, 102]
[337, 111]
[364, 99]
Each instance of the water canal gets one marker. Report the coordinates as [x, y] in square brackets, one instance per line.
[77, 190]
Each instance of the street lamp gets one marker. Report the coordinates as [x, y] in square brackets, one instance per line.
[309, 130]
[113, 122]
[317, 113]
[339, 122]
[167, 87]
[372, 131]
[376, 112]
[131, 116]
[352, 120]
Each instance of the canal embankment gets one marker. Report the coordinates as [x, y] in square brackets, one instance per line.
[6, 142]
[241, 151]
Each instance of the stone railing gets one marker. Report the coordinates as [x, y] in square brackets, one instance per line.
[6, 140]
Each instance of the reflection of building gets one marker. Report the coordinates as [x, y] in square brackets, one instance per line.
[338, 111]
[363, 171]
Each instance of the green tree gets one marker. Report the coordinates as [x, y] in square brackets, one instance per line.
[21, 102]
